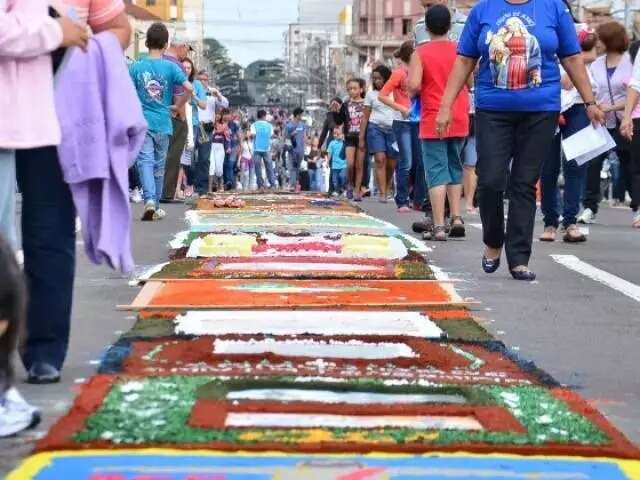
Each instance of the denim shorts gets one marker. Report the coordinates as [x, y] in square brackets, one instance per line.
[442, 162]
[469, 153]
[380, 139]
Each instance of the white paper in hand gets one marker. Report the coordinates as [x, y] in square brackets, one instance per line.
[587, 144]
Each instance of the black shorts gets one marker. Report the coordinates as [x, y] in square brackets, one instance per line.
[352, 140]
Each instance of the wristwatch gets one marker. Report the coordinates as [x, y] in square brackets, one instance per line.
[592, 103]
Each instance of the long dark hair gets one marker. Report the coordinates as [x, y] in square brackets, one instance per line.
[385, 73]
[193, 68]
[12, 310]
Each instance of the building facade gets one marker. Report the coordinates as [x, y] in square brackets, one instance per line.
[167, 10]
[380, 26]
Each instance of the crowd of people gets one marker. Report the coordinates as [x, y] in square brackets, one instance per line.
[483, 118]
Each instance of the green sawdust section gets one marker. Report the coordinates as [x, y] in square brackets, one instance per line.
[156, 411]
[457, 330]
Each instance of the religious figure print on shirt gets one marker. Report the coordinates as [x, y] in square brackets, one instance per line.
[514, 55]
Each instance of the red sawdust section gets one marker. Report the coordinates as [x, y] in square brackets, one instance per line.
[273, 294]
[61, 435]
[211, 414]
[282, 206]
[444, 314]
[435, 362]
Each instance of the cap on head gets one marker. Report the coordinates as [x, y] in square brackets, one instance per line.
[179, 39]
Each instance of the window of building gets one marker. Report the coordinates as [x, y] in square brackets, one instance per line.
[364, 25]
[388, 25]
[174, 3]
[151, 3]
[407, 26]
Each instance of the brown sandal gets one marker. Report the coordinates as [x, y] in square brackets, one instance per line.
[549, 234]
[574, 235]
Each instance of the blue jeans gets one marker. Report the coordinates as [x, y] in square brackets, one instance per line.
[410, 160]
[49, 243]
[315, 179]
[200, 165]
[339, 179]
[295, 159]
[258, 158]
[574, 175]
[8, 197]
[151, 162]
[229, 174]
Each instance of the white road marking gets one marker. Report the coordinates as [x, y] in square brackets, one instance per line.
[476, 225]
[572, 262]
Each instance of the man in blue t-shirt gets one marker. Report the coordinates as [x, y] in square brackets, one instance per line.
[296, 132]
[155, 79]
[261, 132]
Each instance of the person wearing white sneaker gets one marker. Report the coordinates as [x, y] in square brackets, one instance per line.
[16, 415]
[587, 216]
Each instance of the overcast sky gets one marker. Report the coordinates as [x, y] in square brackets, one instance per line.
[250, 29]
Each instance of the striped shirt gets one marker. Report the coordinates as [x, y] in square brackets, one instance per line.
[92, 12]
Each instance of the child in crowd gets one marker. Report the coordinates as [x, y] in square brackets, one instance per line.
[441, 150]
[154, 79]
[351, 115]
[336, 151]
[220, 144]
[16, 415]
[247, 168]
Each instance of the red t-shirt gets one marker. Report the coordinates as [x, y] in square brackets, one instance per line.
[397, 85]
[437, 63]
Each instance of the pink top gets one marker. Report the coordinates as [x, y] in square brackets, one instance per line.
[27, 35]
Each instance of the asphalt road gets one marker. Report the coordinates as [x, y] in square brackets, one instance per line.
[584, 333]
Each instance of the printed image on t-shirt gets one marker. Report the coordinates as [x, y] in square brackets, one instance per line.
[356, 114]
[154, 86]
[514, 54]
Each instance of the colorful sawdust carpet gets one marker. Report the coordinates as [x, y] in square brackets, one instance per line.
[298, 324]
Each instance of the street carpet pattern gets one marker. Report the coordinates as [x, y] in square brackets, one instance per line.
[295, 337]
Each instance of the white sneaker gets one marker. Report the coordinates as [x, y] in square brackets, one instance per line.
[16, 415]
[149, 211]
[136, 196]
[636, 219]
[587, 216]
[159, 214]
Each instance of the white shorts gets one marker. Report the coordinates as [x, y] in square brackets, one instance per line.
[216, 161]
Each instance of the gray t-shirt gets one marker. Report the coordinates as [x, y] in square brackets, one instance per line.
[381, 114]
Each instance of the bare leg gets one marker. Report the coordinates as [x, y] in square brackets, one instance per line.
[391, 168]
[351, 166]
[437, 197]
[359, 171]
[454, 192]
[470, 182]
[211, 177]
[381, 174]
